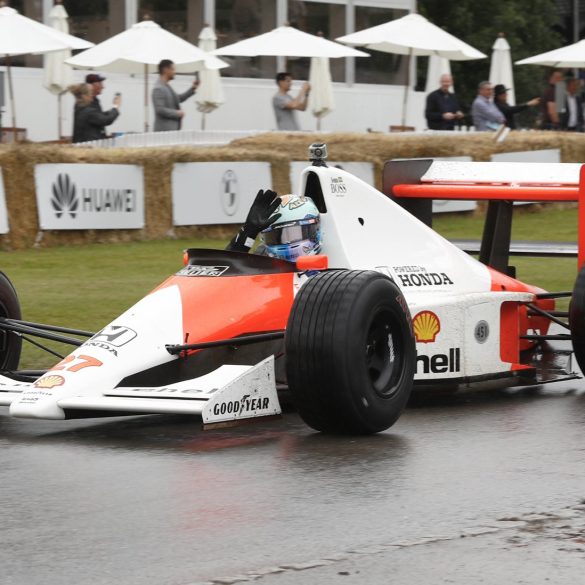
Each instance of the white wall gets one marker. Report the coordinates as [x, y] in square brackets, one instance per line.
[248, 106]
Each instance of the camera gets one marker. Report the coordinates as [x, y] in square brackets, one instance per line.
[318, 153]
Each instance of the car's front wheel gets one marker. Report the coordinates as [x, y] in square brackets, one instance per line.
[350, 352]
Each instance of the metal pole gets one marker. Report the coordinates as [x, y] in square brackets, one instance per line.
[406, 87]
[11, 96]
[145, 97]
[60, 116]
[576, 28]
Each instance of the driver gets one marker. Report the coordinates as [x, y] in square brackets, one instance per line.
[289, 227]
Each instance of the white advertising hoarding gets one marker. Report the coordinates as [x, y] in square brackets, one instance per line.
[89, 196]
[362, 170]
[206, 193]
[3, 210]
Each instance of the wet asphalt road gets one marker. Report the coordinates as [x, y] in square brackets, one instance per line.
[483, 488]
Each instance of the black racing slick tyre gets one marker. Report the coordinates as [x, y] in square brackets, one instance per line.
[10, 343]
[350, 352]
[577, 319]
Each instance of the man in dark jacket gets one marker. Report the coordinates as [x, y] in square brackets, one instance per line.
[442, 110]
[572, 114]
[89, 122]
[501, 101]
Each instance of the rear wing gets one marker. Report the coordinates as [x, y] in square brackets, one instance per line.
[413, 184]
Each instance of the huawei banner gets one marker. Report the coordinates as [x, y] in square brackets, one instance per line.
[89, 196]
[206, 193]
[3, 211]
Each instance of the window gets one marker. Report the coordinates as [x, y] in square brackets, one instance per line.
[236, 20]
[382, 68]
[317, 18]
[90, 19]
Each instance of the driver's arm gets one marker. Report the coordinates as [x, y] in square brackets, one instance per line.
[259, 218]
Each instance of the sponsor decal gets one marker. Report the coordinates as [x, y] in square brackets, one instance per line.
[338, 187]
[75, 363]
[481, 331]
[440, 363]
[197, 270]
[426, 326]
[418, 276]
[229, 192]
[67, 198]
[116, 335]
[64, 199]
[49, 381]
[246, 404]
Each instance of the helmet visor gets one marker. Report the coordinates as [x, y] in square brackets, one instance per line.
[289, 234]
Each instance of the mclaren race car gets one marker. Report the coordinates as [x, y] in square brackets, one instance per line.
[388, 305]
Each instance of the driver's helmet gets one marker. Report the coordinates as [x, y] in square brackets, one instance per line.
[297, 232]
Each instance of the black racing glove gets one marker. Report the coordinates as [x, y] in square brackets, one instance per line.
[259, 218]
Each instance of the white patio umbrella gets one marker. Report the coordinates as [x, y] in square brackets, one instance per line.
[210, 94]
[321, 102]
[438, 66]
[22, 36]
[58, 76]
[139, 50]
[415, 36]
[570, 56]
[286, 41]
[501, 67]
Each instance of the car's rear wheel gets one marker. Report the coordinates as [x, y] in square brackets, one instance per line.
[350, 352]
[10, 343]
[577, 319]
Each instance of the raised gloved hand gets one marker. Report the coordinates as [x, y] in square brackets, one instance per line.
[259, 218]
[260, 215]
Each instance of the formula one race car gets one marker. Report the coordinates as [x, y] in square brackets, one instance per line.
[392, 305]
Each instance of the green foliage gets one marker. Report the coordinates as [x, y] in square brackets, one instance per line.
[527, 25]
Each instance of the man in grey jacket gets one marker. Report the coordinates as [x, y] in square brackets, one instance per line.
[168, 113]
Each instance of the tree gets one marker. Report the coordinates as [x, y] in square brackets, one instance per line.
[527, 24]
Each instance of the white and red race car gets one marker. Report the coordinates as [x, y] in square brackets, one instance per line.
[393, 305]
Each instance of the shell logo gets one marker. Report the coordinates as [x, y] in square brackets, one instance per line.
[49, 381]
[426, 326]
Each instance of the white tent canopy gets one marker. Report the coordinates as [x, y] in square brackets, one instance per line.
[287, 41]
[22, 36]
[145, 43]
[412, 35]
[501, 67]
[415, 36]
[570, 56]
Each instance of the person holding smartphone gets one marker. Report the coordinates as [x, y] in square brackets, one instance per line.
[166, 101]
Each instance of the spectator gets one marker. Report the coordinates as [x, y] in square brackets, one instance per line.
[442, 109]
[550, 115]
[89, 122]
[501, 101]
[486, 115]
[97, 83]
[571, 118]
[285, 105]
[167, 109]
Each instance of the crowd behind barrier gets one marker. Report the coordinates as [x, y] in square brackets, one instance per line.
[68, 184]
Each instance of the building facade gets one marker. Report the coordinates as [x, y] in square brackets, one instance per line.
[368, 91]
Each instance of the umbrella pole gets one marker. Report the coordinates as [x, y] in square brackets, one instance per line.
[145, 97]
[60, 115]
[203, 121]
[11, 97]
[318, 124]
[405, 100]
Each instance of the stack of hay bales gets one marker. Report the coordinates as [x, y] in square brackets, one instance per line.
[17, 163]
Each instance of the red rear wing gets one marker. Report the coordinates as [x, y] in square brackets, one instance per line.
[415, 183]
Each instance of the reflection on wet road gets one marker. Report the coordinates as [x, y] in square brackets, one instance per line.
[154, 500]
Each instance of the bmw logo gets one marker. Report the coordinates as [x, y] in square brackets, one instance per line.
[229, 192]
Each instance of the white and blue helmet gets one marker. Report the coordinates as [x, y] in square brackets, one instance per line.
[297, 232]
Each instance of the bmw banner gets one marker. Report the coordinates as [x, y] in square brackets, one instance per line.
[3, 210]
[89, 196]
[206, 193]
